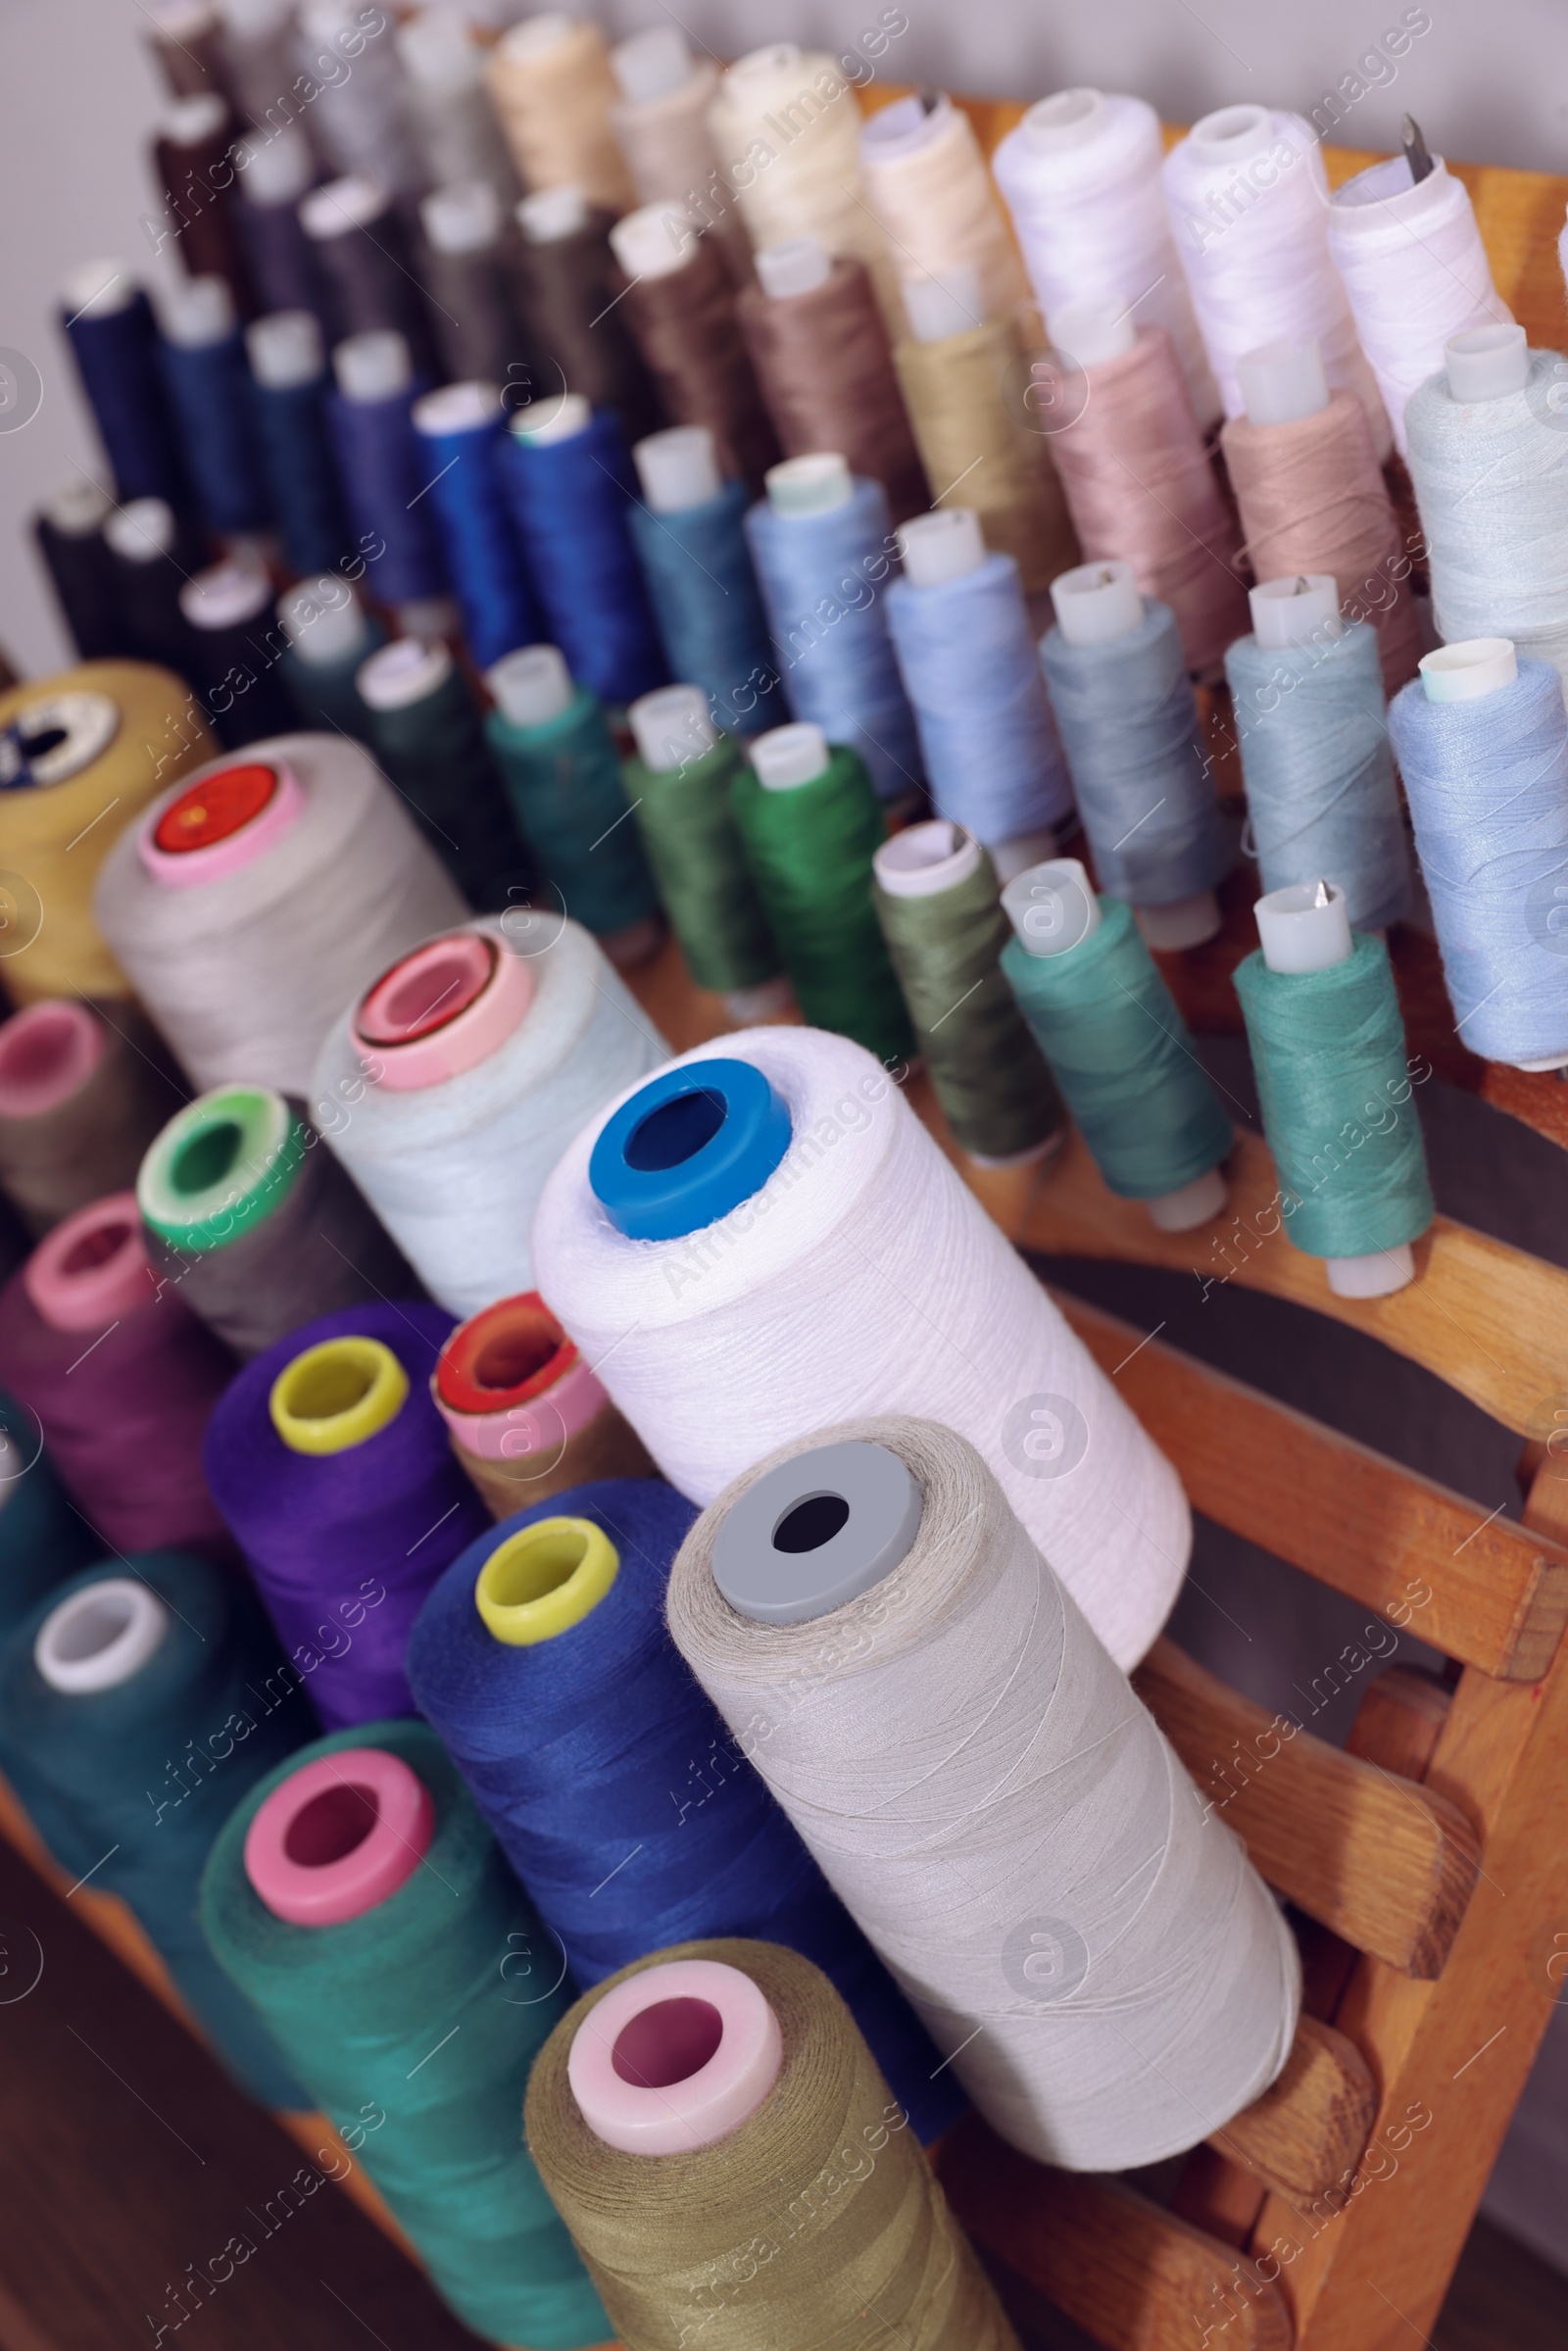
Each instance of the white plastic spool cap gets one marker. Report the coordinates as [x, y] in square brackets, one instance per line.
[1185, 922]
[759, 65]
[946, 544]
[531, 686]
[1090, 333]
[651, 65]
[537, 35]
[324, 621]
[438, 53]
[353, 202]
[796, 266]
[944, 302]
[1096, 602]
[1303, 609]
[678, 469]
[374, 366]
[142, 531]
[403, 673]
[926, 858]
[1016, 856]
[286, 349]
[1282, 382]
[1464, 673]
[97, 290]
[551, 213]
[810, 485]
[1232, 134]
[275, 171]
[906, 126]
[543, 421]
[249, 19]
[671, 728]
[187, 121]
[654, 242]
[1051, 906]
[78, 508]
[100, 1637]
[226, 594]
[457, 408]
[789, 756]
[198, 312]
[1485, 362]
[462, 217]
[1067, 119]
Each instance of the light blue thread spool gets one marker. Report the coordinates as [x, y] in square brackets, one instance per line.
[690, 537]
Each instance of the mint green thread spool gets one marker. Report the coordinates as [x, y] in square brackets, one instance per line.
[1116, 1043]
[1328, 1052]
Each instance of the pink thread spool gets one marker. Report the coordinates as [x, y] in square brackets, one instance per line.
[339, 1836]
[674, 2058]
[92, 1270]
[47, 1053]
[442, 1010]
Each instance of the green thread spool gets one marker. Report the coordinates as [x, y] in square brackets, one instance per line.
[811, 824]
[1328, 1052]
[937, 901]
[1121, 1052]
[426, 734]
[553, 745]
[430, 2007]
[680, 784]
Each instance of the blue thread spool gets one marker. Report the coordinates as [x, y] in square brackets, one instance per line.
[462, 429]
[108, 321]
[210, 390]
[289, 389]
[383, 471]
[690, 539]
[275, 169]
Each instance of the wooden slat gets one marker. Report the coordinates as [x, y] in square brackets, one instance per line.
[1487, 1592]
[1310, 2128]
[1387, 1864]
[1132, 2276]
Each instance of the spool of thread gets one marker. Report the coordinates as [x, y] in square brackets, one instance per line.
[121, 1379]
[1069, 1834]
[1410, 256]
[368, 264]
[1491, 472]
[661, 126]
[332, 1468]
[489, 1048]
[927, 183]
[551, 84]
[360, 116]
[477, 327]
[822, 544]
[1481, 744]
[383, 468]
[69, 531]
[526, 1416]
[1080, 177]
[80, 1098]
[518, 1648]
[289, 389]
[43, 1540]
[567, 478]
[682, 784]
[252, 901]
[330, 637]
[1333, 1084]
[185, 38]
[1248, 204]
[192, 164]
[426, 732]
[824, 365]
[462, 430]
[107, 322]
[1312, 496]
[690, 537]
[229, 608]
[137, 1706]
[839, 1303]
[98, 739]
[736, 2068]
[314, 1903]
[275, 171]
[960, 631]
[258, 62]
[452, 120]
[937, 901]
[1108, 1024]
[153, 555]
[552, 746]
[1308, 690]
[788, 133]
[1136, 477]
[566, 280]
[955, 375]
[1136, 749]
[680, 305]
[809, 826]
[256, 1225]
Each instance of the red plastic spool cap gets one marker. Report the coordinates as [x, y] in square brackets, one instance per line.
[209, 811]
[47, 1053]
[221, 822]
[441, 1010]
[339, 1836]
[92, 1270]
[508, 1353]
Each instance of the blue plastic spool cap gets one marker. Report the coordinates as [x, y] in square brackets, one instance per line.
[688, 1147]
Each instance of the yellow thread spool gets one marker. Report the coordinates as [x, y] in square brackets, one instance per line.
[544, 1579]
[337, 1394]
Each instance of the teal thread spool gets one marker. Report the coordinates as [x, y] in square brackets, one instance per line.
[426, 734]
[423, 1994]
[43, 1539]
[1328, 1050]
[329, 634]
[1120, 1050]
[937, 902]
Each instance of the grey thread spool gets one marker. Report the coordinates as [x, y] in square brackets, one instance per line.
[477, 324]
[82, 1094]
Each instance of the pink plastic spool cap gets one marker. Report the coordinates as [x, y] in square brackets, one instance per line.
[92, 1269]
[47, 1053]
[675, 2058]
[339, 1836]
[442, 1010]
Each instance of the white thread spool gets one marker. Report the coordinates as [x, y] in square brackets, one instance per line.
[452, 1134]
[324, 621]
[1084, 1938]
[864, 1276]
[927, 183]
[1248, 199]
[245, 951]
[1081, 177]
[360, 117]
[100, 1637]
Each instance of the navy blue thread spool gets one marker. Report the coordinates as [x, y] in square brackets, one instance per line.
[230, 608]
[275, 169]
[331, 635]
[70, 533]
[569, 481]
[289, 387]
[153, 555]
[425, 733]
[690, 538]
[202, 355]
[108, 321]
[366, 260]
[461, 428]
[382, 469]
[191, 156]
[475, 319]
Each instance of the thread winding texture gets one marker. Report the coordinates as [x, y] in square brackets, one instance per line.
[210, 395]
[565, 291]
[88, 1140]
[687, 820]
[481, 551]
[937, 208]
[116, 359]
[555, 102]
[563, 783]
[296, 453]
[43, 1539]
[689, 335]
[569, 500]
[709, 608]
[434, 752]
[383, 472]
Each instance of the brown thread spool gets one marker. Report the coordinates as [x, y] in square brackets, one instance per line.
[795, 2224]
[190, 157]
[685, 324]
[551, 84]
[1138, 479]
[526, 1417]
[363, 252]
[81, 1096]
[187, 47]
[662, 125]
[825, 368]
[478, 331]
[565, 282]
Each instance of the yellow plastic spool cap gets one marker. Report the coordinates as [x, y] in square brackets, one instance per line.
[337, 1394]
[544, 1579]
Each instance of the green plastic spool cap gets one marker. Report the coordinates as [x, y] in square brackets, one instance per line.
[218, 1167]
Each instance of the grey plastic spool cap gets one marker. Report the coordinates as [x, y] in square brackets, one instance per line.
[815, 1533]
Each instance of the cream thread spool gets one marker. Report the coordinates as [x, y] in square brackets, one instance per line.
[550, 81]
[926, 181]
